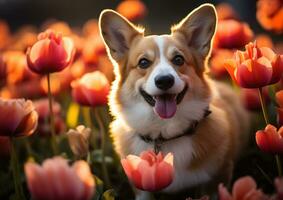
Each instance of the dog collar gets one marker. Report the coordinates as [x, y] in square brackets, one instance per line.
[157, 142]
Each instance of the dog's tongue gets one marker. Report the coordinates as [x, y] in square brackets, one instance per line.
[165, 106]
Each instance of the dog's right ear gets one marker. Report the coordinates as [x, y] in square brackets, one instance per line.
[117, 33]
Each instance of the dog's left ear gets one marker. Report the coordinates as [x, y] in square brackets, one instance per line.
[198, 28]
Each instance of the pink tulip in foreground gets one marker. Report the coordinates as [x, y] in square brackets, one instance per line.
[55, 179]
[149, 171]
[51, 53]
[243, 189]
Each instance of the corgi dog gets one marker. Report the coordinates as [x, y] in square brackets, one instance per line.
[163, 98]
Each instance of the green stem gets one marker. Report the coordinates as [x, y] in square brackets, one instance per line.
[52, 123]
[265, 115]
[16, 172]
[87, 117]
[28, 147]
[103, 146]
[263, 106]
[278, 163]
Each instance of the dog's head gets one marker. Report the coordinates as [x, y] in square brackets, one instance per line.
[159, 77]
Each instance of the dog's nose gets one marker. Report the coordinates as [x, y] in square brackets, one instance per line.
[164, 82]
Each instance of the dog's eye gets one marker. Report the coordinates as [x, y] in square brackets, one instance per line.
[178, 60]
[144, 63]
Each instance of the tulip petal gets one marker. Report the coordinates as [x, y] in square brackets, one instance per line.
[243, 186]
[223, 193]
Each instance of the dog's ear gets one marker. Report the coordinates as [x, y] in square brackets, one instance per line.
[117, 33]
[198, 28]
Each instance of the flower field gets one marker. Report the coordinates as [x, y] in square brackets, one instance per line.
[55, 140]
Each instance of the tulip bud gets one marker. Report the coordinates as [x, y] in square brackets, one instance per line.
[149, 171]
[79, 140]
[51, 53]
[18, 117]
[91, 90]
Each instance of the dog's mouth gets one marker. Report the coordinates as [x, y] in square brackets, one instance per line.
[164, 105]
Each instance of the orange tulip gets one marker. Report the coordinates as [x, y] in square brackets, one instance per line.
[51, 53]
[91, 28]
[217, 62]
[18, 118]
[55, 179]
[225, 11]
[255, 67]
[243, 188]
[91, 90]
[264, 40]
[94, 48]
[16, 66]
[2, 69]
[132, 9]
[232, 34]
[5, 36]
[269, 14]
[270, 140]
[149, 171]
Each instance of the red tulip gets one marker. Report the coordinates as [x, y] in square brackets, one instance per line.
[232, 34]
[18, 118]
[149, 171]
[243, 189]
[55, 179]
[270, 140]
[51, 53]
[91, 90]
[251, 100]
[269, 14]
[132, 9]
[255, 67]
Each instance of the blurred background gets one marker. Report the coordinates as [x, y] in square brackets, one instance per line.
[161, 14]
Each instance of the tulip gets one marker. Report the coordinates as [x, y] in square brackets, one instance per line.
[2, 69]
[217, 62]
[269, 14]
[132, 9]
[149, 171]
[255, 67]
[79, 140]
[232, 34]
[91, 28]
[55, 179]
[279, 188]
[16, 66]
[51, 53]
[263, 40]
[270, 139]
[94, 47]
[251, 100]
[42, 108]
[18, 118]
[5, 36]
[225, 11]
[244, 188]
[24, 37]
[91, 90]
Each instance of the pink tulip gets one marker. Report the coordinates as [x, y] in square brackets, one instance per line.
[51, 53]
[149, 171]
[55, 179]
[243, 189]
[18, 117]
